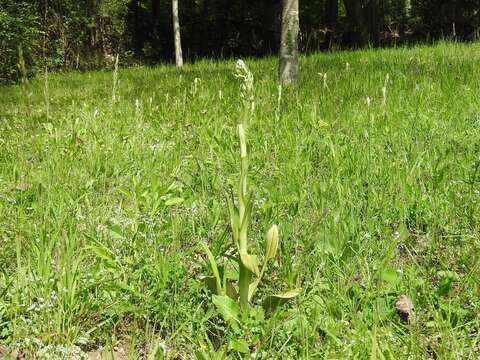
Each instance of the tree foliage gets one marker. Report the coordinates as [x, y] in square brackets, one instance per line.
[19, 26]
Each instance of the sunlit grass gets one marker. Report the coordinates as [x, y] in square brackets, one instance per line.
[103, 205]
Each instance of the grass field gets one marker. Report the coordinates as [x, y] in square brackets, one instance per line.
[103, 206]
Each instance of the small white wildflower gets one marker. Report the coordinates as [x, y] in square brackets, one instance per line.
[384, 89]
[43, 351]
[323, 76]
[82, 340]
[32, 307]
[195, 86]
[62, 349]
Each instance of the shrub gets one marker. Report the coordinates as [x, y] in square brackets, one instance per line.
[19, 26]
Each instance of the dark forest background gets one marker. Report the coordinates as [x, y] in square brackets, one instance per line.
[87, 34]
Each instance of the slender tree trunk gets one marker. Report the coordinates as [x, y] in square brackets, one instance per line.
[288, 69]
[176, 34]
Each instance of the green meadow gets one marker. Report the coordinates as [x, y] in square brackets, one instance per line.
[371, 172]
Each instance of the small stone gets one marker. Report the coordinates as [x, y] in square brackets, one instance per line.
[405, 309]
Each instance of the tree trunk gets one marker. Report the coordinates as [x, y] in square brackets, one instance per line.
[288, 69]
[176, 34]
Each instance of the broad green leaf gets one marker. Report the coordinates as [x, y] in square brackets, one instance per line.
[231, 290]
[213, 265]
[272, 242]
[290, 294]
[208, 314]
[171, 187]
[252, 288]
[228, 308]
[250, 262]
[403, 232]
[239, 345]
[446, 283]
[117, 285]
[200, 355]
[273, 301]
[210, 282]
[115, 232]
[107, 257]
[445, 286]
[217, 355]
[174, 201]
[125, 192]
[391, 276]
